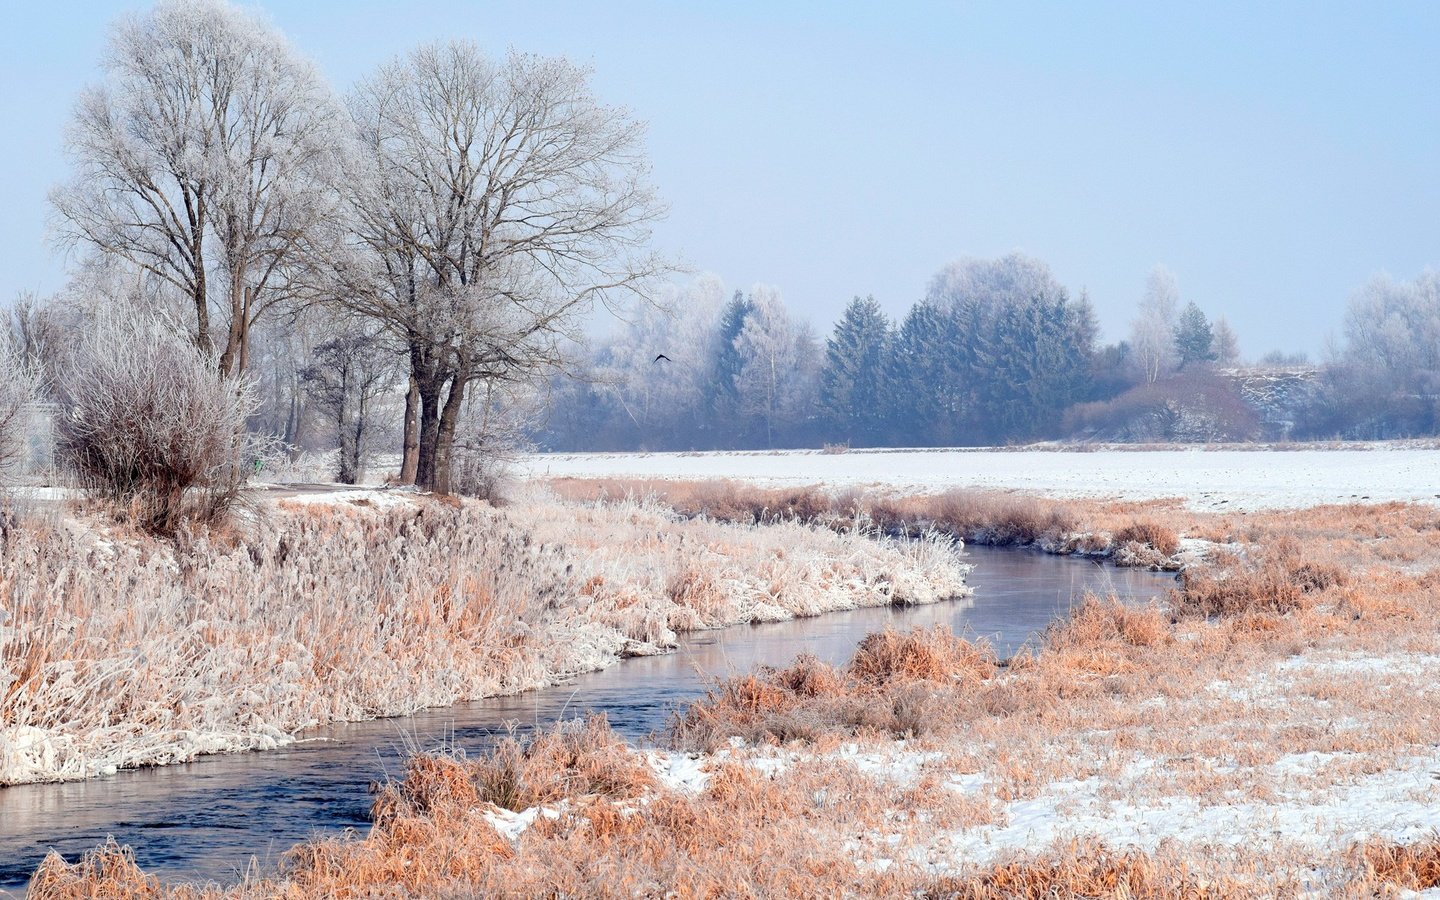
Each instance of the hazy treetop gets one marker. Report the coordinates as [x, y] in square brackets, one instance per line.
[1275, 156]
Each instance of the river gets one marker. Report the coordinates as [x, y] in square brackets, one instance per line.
[209, 819]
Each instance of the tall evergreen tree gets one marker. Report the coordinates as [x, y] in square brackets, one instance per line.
[1033, 361]
[926, 387]
[724, 396]
[852, 379]
[1194, 339]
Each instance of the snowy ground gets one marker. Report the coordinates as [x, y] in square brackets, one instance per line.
[1208, 479]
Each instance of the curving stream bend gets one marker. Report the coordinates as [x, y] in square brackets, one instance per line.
[209, 819]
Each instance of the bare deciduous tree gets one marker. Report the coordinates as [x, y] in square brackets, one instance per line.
[499, 201]
[208, 159]
[1152, 334]
[499, 418]
[34, 333]
[781, 361]
[348, 374]
[1227, 345]
[658, 368]
[19, 386]
[1011, 280]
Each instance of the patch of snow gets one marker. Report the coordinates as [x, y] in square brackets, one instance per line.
[683, 772]
[380, 497]
[509, 823]
[1393, 804]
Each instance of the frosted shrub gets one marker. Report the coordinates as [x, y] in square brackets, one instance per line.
[149, 426]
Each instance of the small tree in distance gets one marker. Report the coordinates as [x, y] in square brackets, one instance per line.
[1152, 341]
[348, 375]
[1227, 345]
[1194, 340]
[19, 386]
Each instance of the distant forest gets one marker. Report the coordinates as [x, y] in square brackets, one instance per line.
[997, 352]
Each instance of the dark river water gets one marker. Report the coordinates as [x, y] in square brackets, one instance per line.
[209, 819]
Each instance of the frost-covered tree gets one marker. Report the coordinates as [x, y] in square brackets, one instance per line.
[208, 158]
[1152, 334]
[852, 379]
[724, 399]
[1033, 363]
[500, 417]
[496, 203]
[1019, 349]
[1227, 345]
[1194, 338]
[19, 389]
[348, 375]
[658, 368]
[1394, 326]
[1388, 375]
[779, 365]
[34, 334]
[1007, 281]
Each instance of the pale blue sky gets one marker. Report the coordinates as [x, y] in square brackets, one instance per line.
[1274, 155]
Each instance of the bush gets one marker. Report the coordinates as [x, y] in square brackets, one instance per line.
[1275, 582]
[148, 425]
[921, 655]
[979, 517]
[1145, 531]
[1194, 406]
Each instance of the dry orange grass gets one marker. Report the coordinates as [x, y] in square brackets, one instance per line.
[1274, 579]
[1310, 651]
[336, 612]
[1413, 867]
[1150, 533]
[108, 871]
[933, 654]
[574, 759]
[998, 518]
[896, 684]
[1089, 872]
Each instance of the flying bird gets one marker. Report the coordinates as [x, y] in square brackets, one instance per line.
[660, 357]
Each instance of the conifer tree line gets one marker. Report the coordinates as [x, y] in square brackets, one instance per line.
[996, 352]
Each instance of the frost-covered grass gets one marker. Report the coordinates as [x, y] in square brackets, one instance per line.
[1222, 745]
[117, 650]
[1131, 534]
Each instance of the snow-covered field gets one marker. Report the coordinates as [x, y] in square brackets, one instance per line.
[1207, 479]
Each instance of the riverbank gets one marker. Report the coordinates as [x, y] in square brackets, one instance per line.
[1267, 732]
[121, 651]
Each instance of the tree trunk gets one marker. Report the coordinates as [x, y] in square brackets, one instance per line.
[349, 453]
[410, 446]
[228, 357]
[445, 445]
[429, 439]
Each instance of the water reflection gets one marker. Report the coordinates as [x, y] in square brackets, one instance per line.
[209, 818]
